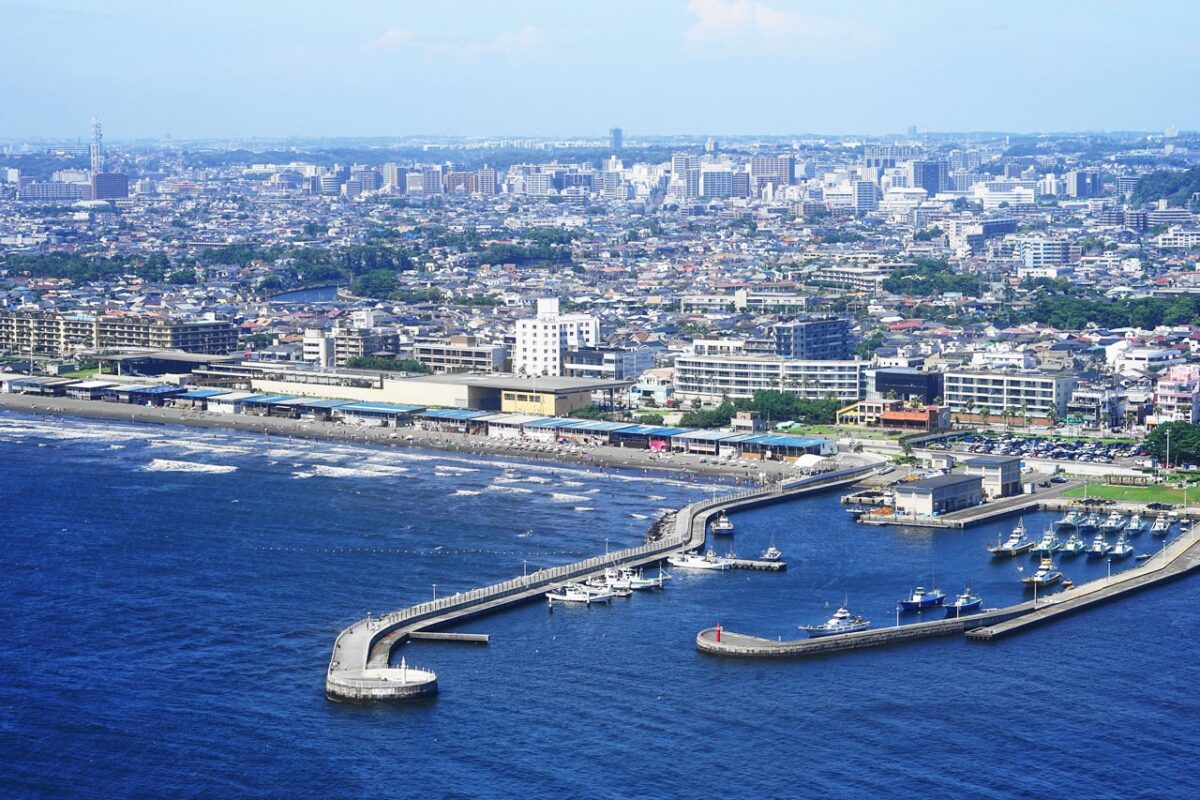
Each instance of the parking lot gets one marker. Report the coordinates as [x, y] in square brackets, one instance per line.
[1047, 447]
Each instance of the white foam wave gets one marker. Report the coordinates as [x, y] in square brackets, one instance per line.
[366, 471]
[584, 508]
[167, 465]
[560, 497]
[465, 492]
[509, 489]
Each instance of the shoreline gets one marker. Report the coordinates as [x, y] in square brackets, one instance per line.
[741, 472]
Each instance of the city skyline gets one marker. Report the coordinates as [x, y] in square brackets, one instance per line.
[538, 69]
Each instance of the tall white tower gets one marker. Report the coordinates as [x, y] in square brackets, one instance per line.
[97, 155]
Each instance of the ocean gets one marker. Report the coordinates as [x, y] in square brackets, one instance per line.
[172, 596]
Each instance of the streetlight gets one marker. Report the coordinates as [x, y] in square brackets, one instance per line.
[1109, 560]
[435, 591]
[1168, 451]
[525, 568]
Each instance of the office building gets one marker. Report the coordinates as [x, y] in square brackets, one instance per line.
[938, 495]
[932, 176]
[460, 354]
[1015, 395]
[110, 186]
[616, 139]
[1084, 183]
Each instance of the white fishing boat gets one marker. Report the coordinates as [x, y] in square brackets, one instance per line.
[708, 561]
[639, 582]
[578, 593]
[1161, 526]
[722, 525]
[841, 622]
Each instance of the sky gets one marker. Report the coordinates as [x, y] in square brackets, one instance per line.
[550, 68]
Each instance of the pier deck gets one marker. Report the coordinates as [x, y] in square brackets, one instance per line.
[358, 667]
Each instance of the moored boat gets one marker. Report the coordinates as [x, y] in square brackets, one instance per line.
[639, 582]
[1074, 545]
[1161, 526]
[841, 622]
[922, 598]
[1136, 526]
[1016, 543]
[578, 593]
[708, 561]
[965, 603]
[1121, 549]
[1047, 575]
[1049, 543]
[1070, 521]
[1099, 547]
[1114, 523]
[722, 525]
[772, 553]
[1090, 524]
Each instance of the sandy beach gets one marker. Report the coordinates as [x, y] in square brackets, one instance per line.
[626, 458]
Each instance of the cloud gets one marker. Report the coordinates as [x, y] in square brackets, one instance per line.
[753, 23]
[524, 40]
[393, 37]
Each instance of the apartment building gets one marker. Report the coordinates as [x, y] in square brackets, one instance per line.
[825, 338]
[711, 377]
[1177, 395]
[460, 354]
[59, 335]
[1018, 394]
[542, 340]
[336, 346]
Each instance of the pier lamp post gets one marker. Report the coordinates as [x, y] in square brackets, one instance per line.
[525, 568]
[1168, 458]
[435, 591]
[1109, 560]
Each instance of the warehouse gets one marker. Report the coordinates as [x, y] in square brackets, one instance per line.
[939, 495]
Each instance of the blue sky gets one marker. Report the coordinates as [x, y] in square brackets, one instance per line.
[215, 68]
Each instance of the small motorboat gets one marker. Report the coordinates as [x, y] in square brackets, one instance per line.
[708, 561]
[1115, 523]
[1048, 544]
[841, 622]
[722, 525]
[1122, 548]
[1047, 575]
[1090, 524]
[772, 553]
[1099, 547]
[1136, 527]
[1161, 526]
[1074, 545]
[922, 598]
[965, 603]
[1016, 543]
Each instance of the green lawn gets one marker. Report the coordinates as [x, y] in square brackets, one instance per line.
[1134, 494]
[833, 431]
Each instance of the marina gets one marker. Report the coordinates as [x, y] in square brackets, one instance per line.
[358, 669]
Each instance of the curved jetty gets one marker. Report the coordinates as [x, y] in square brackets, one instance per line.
[359, 668]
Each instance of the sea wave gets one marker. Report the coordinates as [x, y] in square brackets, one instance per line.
[560, 497]
[509, 489]
[167, 465]
[366, 471]
[465, 492]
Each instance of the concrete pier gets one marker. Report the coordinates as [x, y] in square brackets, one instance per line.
[358, 668]
[758, 564]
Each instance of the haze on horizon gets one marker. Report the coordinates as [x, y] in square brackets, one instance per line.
[221, 68]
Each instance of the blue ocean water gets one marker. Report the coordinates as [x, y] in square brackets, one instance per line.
[171, 596]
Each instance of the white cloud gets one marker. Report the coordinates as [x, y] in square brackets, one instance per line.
[752, 22]
[393, 37]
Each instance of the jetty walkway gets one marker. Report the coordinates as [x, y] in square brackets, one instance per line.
[1177, 558]
[359, 668]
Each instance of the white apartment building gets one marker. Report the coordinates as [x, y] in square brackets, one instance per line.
[1035, 394]
[1177, 395]
[712, 377]
[542, 340]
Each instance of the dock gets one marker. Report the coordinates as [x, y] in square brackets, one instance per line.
[359, 668]
[1175, 560]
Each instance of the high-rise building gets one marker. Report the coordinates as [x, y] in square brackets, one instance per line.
[770, 169]
[932, 176]
[393, 177]
[431, 179]
[616, 139]
[716, 183]
[109, 186]
[866, 196]
[542, 340]
[487, 180]
[96, 153]
[1084, 183]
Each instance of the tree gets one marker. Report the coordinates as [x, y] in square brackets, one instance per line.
[1185, 442]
